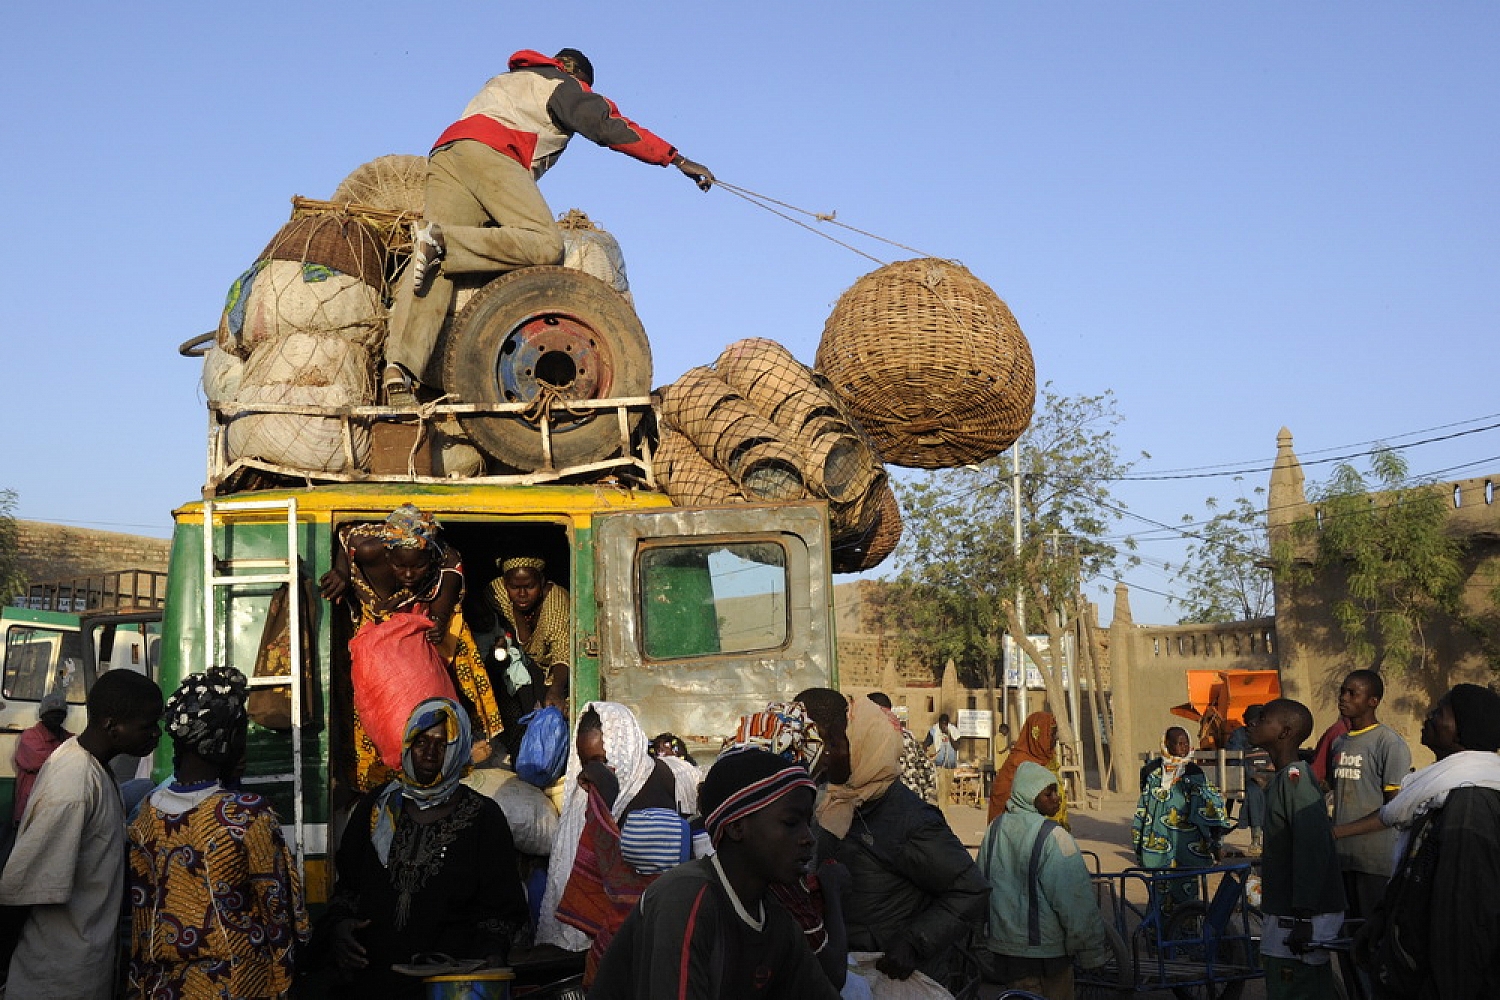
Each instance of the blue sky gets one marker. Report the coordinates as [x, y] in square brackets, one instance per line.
[1234, 216]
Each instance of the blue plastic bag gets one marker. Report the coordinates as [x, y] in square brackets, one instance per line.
[544, 748]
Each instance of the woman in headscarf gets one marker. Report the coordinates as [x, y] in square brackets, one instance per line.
[608, 758]
[534, 619]
[427, 865]
[401, 566]
[915, 889]
[1180, 818]
[216, 907]
[1038, 744]
[620, 853]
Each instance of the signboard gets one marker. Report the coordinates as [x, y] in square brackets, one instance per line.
[1014, 654]
[976, 722]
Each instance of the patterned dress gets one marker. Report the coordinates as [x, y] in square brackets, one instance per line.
[458, 649]
[1178, 821]
[216, 908]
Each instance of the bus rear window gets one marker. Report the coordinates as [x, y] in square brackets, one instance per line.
[698, 600]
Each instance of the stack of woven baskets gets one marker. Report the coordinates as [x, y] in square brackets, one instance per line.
[931, 363]
[759, 426]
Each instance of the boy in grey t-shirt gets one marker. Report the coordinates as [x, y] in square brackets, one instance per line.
[1366, 766]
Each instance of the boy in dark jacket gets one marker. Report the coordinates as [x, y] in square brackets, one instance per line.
[706, 930]
[1303, 892]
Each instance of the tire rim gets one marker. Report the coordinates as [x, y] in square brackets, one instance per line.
[559, 351]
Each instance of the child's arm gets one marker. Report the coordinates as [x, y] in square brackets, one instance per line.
[449, 589]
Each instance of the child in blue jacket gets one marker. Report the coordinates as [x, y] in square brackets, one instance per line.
[1043, 913]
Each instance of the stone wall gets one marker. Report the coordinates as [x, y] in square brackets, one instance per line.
[1153, 660]
[55, 551]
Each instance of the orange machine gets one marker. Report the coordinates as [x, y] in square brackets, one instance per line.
[1217, 700]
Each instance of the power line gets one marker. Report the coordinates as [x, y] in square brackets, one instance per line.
[1341, 447]
[1317, 461]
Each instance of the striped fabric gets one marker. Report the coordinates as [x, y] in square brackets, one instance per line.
[654, 840]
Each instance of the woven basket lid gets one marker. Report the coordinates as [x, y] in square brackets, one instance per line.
[395, 183]
[930, 361]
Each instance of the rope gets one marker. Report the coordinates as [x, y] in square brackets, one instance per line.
[425, 412]
[548, 398]
[762, 201]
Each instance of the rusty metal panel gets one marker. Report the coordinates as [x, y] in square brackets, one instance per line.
[700, 694]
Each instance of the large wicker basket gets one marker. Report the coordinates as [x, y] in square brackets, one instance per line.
[931, 363]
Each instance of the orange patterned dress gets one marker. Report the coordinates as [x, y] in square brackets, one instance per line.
[458, 649]
[216, 906]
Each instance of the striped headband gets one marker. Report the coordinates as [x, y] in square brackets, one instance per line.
[755, 797]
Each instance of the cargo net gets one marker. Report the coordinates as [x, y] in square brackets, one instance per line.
[301, 332]
[759, 426]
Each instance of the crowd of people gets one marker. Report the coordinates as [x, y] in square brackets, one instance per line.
[1353, 843]
[810, 859]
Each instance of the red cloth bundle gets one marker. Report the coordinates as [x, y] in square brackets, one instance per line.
[394, 670]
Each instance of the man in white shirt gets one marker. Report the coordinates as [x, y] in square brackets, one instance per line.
[68, 865]
[942, 738]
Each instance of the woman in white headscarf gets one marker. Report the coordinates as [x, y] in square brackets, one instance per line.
[1180, 818]
[609, 751]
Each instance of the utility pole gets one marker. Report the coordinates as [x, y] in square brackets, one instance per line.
[1015, 640]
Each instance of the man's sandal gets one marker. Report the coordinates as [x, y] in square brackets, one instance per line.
[426, 251]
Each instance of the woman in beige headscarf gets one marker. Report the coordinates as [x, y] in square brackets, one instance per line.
[915, 889]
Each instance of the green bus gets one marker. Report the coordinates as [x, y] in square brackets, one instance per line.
[692, 617]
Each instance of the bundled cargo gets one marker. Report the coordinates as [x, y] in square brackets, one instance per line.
[308, 319]
[760, 426]
[931, 363]
[593, 251]
[395, 183]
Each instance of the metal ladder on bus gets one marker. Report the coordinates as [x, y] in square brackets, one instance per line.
[219, 576]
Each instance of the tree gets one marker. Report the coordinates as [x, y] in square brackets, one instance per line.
[1387, 539]
[12, 580]
[1227, 568]
[954, 594]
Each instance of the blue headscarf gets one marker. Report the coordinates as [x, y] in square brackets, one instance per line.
[432, 712]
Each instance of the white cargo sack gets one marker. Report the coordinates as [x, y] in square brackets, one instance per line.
[528, 810]
[593, 251]
[303, 369]
[288, 296]
[222, 373]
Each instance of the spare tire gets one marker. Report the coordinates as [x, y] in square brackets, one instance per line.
[547, 328]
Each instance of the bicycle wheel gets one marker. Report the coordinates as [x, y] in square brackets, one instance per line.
[1186, 936]
[1111, 980]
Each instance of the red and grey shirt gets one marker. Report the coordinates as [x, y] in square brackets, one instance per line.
[531, 112]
